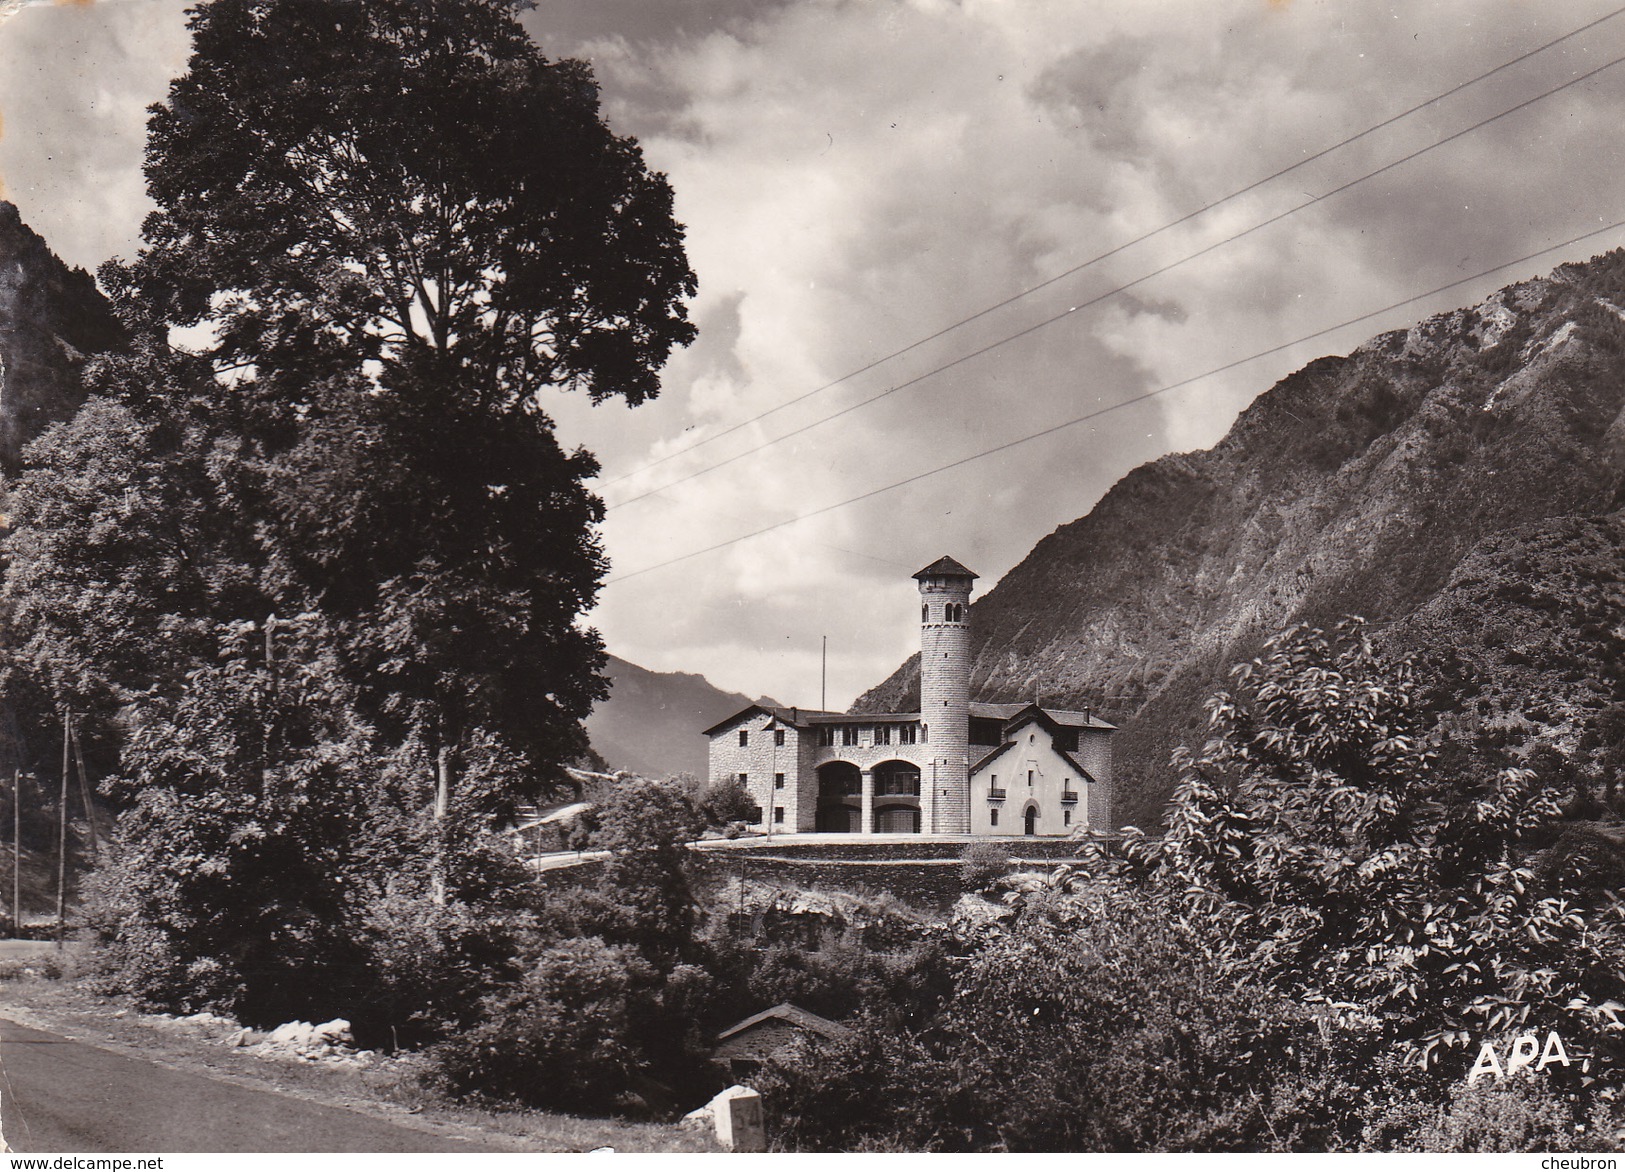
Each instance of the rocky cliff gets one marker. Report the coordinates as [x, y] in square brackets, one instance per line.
[51, 318]
[1483, 449]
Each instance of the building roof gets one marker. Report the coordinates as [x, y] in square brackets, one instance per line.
[1089, 778]
[991, 757]
[807, 717]
[946, 567]
[1066, 717]
[795, 1015]
[798, 717]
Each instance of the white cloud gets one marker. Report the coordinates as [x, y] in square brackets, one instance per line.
[854, 176]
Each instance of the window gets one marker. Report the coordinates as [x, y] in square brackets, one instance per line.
[993, 782]
[1029, 777]
[849, 734]
[993, 816]
[778, 736]
[778, 814]
[882, 734]
[778, 781]
[744, 737]
[925, 733]
[907, 734]
[1066, 817]
[744, 779]
[925, 613]
[826, 735]
[755, 814]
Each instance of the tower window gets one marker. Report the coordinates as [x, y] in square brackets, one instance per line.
[925, 733]
[1066, 817]
[778, 736]
[925, 613]
[778, 814]
[1029, 777]
[744, 737]
[744, 779]
[993, 816]
[778, 781]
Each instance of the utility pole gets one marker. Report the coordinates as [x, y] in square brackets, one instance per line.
[442, 801]
[62, 834]
[16, 853]
[823, 678]
[84, 791]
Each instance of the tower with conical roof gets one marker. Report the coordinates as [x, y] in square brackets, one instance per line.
[945, 588]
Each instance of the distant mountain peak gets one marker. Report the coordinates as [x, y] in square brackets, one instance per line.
[1357, 484]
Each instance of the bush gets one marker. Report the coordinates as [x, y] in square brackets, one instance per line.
[1519, 1116]
[726, 803]
[566, 1037]
[1091, 1024]
[981, 863]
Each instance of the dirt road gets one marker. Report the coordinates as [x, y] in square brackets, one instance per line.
[59, 1095]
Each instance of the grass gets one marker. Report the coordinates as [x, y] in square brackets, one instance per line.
[388, 1090]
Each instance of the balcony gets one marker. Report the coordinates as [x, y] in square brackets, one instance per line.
[1069, 795]
[995, 795]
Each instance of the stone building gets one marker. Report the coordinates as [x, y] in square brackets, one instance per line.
[742, 1048]
[954, 767]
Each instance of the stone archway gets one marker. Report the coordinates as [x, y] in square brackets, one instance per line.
[840, 798]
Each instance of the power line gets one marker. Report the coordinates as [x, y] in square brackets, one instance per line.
[1013, 298]
[1022, 333]
[1129, 402]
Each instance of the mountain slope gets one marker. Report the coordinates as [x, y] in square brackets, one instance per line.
[51, 318]
[652, 720]
[1356, 485]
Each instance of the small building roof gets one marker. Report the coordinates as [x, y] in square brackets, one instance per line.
[1066, 717]
[946, 567]
[795, 1015]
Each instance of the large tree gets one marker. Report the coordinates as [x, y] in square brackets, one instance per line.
[405, 226]
[385, 232]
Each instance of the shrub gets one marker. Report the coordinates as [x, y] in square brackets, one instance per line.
[1518, 1116]
[1092, 1024]
[565, 1037]
[726, 803]
[981, 863]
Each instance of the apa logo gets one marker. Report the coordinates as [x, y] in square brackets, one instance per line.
[1521, 1054]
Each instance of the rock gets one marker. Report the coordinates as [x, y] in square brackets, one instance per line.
[736, 1115]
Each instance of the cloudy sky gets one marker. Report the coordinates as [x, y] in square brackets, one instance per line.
[858, 175]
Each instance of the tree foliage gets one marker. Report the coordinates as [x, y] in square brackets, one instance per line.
[1320, 845]
[1084, 1024]
[312, 549]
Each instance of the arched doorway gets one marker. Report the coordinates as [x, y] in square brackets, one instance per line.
[897, 797]
[840, 798]
[1031, 820]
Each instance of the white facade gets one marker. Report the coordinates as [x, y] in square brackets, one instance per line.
[954, 767]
